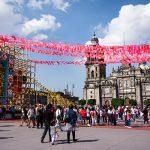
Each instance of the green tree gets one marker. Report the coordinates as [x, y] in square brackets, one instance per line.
[147, 102]
[117, 102]
[82, 102]
[91, 102]
[133, 102]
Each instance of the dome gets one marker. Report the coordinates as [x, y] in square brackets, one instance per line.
[94, 40]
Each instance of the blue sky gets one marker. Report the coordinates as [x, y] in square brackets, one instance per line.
[74, 21]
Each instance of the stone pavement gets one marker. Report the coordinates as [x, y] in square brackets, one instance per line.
[14, 137]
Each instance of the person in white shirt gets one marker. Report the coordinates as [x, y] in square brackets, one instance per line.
[133, 113]
[110, 116]
[31, 116]
[58, 117]
[101, 117]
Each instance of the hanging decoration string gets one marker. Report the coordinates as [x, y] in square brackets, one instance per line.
[100, 53]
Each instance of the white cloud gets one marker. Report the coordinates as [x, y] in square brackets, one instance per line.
[13, 22]
[44, 23]
[131, 26]
[10, 19]
[16, 2]
[40, 37]
[37, 4]
[100, 30]
[58, 4]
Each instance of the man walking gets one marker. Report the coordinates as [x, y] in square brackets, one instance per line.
[72, 119]
[48, 118]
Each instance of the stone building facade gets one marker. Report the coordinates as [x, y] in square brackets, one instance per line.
[125, 81]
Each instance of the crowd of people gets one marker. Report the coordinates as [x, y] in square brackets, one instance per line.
[4, 110]
[110, 115]
[53, 118]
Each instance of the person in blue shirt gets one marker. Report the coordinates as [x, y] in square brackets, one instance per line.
[71, 120]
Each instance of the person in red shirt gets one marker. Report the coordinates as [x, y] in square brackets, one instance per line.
[93, 116]
[83, 115]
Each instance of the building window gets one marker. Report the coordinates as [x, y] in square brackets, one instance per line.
[126, 84]
[91, 96]
[92, 74]
[91, 91]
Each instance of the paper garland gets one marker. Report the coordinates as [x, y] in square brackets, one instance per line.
[100, 53]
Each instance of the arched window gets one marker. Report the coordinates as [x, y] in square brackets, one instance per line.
[92, 74]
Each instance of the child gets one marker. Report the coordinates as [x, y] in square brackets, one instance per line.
[58, 123]
[54, 126]
[54, 134]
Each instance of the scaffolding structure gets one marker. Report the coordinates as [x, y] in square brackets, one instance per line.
[23, 74]
[24, 81]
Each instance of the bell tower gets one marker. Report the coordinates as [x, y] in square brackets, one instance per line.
[95, 72]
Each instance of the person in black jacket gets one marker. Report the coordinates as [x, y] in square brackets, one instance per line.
[145, 114]
[48, 119]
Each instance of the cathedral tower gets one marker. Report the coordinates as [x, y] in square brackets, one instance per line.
[95, 72]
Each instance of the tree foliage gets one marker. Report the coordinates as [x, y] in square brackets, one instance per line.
[91, 102]
[121, 102]
[117, 102]
[147, 102]
[133, 102]
[82, 102]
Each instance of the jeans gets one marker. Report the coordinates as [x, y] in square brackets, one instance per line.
[94, 121]
[128, 123]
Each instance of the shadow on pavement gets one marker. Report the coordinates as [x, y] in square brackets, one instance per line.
[6, 125]
[1, 138]
[87, 141]
[78, 141]
[4, 130]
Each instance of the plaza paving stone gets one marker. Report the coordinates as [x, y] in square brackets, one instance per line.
[14, 137]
